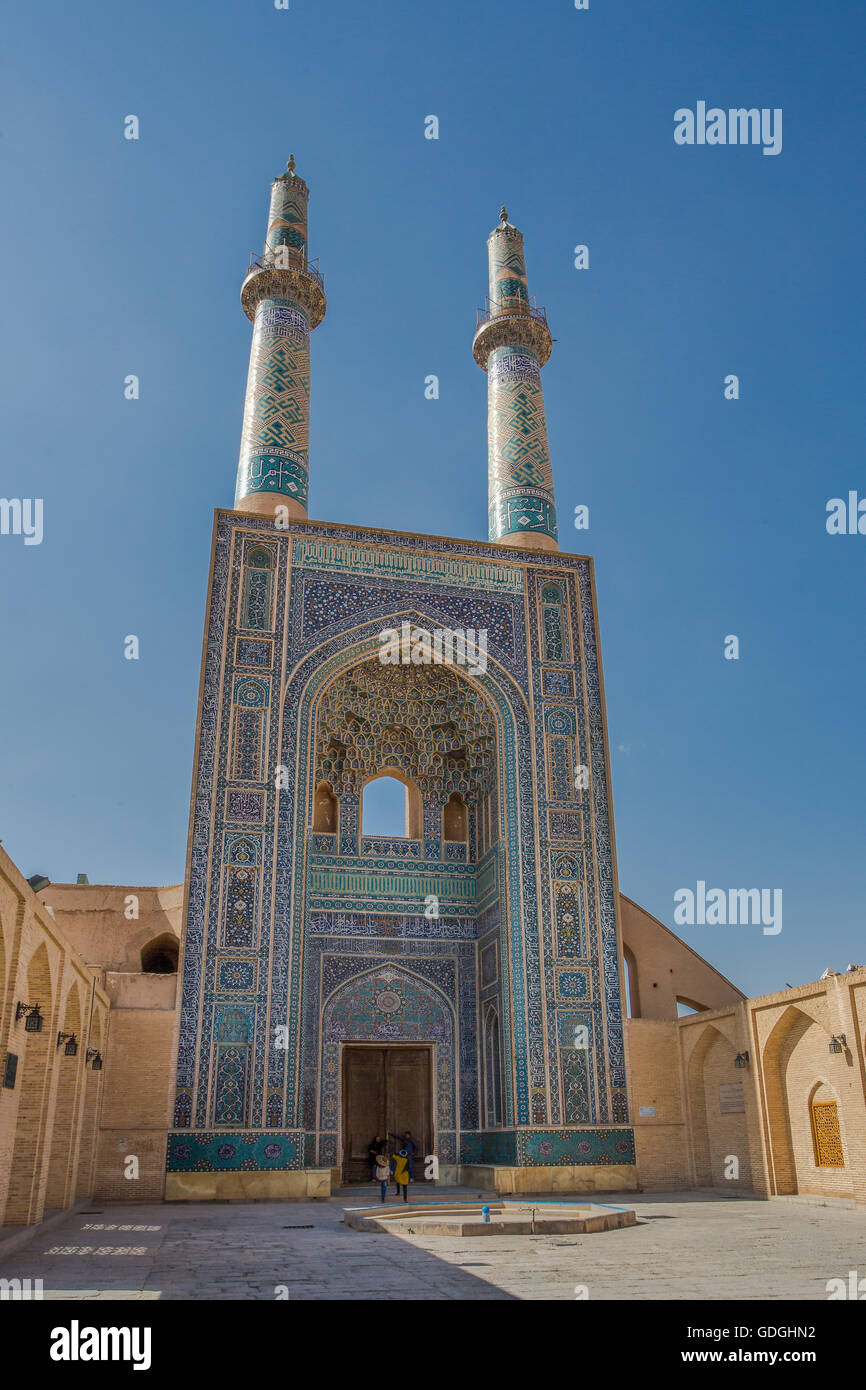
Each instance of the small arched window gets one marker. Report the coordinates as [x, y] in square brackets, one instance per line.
[159, 957]
[383, 808]
[632, 997]
[391, 808]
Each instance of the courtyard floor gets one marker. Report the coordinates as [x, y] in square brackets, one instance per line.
[688, 1245]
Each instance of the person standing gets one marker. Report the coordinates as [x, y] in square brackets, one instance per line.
[382, 1169]
[374, 1148]
[401, 1173]
[407, 1143]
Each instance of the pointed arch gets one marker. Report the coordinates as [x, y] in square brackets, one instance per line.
[827, 1147]
[23, 1203]
[361, 1009]
[159, 955]
[455, 818]
[231, 1084]
[61, 1172]
[305, 686]
[631, 981]
[697, 1097]
[90, 1107]
[788, 1030]
[492, 1069]
[325, 810]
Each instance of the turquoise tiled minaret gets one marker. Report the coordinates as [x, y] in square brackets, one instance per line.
[284, 296]
[512, 343]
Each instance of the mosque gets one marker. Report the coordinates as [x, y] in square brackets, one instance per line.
[479, 978]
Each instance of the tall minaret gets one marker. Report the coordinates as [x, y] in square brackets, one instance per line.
[284, 297]
[512, 343]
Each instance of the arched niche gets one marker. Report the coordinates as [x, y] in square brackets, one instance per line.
[325, 810]
[36, 1053]
[718, 1131]
[60, 1185]
[455, 818]
[492, 1070]
[632, 991]
[787, 1033]
[159, 955]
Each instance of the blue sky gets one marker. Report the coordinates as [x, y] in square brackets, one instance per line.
[707, 516]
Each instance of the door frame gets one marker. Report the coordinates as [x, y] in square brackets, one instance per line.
[421, 1046]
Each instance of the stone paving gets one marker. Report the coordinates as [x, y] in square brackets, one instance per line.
[685, 1245]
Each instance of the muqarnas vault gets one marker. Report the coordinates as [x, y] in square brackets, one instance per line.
[462, 979]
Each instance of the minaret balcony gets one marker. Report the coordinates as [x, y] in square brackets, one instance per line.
[511, 322]
[509, 304]
[284, 273]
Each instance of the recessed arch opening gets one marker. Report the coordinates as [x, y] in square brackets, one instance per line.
[325, 810]
[159, 956]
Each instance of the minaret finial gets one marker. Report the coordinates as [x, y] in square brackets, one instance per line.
[512, 344]
[291, 164]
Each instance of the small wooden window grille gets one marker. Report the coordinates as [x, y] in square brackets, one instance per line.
[828, 1140]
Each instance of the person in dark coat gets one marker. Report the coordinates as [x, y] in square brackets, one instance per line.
[406, 1142]
[374, 1148]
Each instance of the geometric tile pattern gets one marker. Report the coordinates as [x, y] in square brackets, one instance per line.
[540, 1147]
[226, 1153]
[554, 643]
[520, 477]
[287, 218]
[517, 426]
[572, 984]
[506, 266]
[275, 440]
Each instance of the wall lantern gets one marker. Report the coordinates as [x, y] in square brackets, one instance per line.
[33, 1018]
[838, 1044]
[95, 1059]
[741, 1060]
[71, 1048]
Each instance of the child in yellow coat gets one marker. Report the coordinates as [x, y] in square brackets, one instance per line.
[401, 1172]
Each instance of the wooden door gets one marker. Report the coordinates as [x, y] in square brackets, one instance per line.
[385, 1089]
[407, 1093]
[363, 1108]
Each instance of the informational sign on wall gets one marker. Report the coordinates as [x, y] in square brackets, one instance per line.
[731, 1100]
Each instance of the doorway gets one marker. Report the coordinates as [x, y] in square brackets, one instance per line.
[385, 1089]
